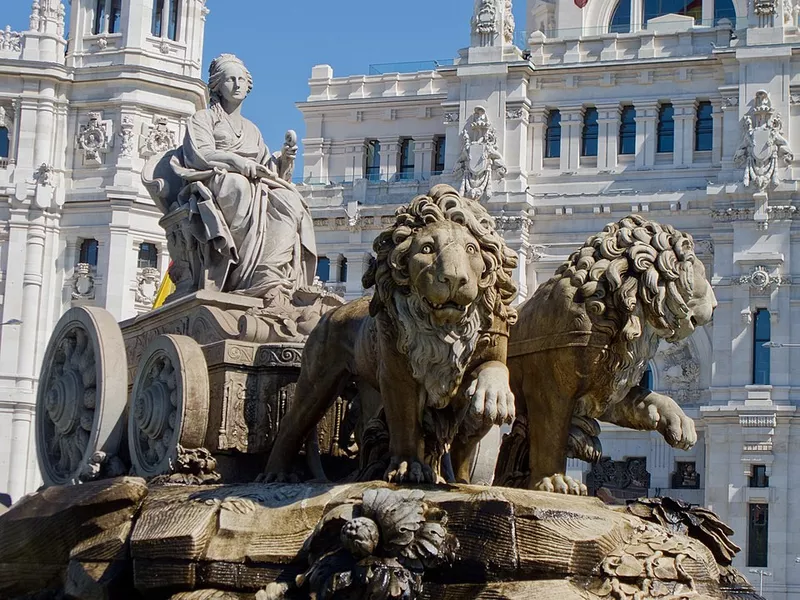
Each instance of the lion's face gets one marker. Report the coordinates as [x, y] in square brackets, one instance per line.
[445, 267]
[701, 303]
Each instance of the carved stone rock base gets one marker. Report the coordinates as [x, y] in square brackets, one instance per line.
[297, 540]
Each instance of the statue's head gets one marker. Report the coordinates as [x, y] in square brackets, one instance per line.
[228, 80]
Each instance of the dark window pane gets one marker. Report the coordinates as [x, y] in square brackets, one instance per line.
[155, 26]
[99, 17]
[658, 8]
[552, 136]
[148, 256]
[627, 131]
[3, 142]
[665, 141]
[723, 9]
[704, 127]
[438, 158]
[647, 379]
[114, 16]
[760, 354]
[589, 133]
[323, 268]
[621, 19]
[407, 159]
[373, 160]
[172, 31]
[343, 272]
[88, 252]
[758, 476]
[758, 535]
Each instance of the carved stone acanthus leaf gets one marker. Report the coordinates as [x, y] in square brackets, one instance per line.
[10, 41]
[382, 545]
[147, 282]
[781, 212]
[83, 282]
[763, 150]
[520, 223]
[761, 280]
[127, 135]
[94, 139]
[157, 138]
[732, 214]
[509, 25]
[480, 162]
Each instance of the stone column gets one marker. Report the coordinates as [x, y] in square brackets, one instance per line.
[335, 268]
[646, 122]
[730, 126]
[44, 125]
[571, 124]
[356, 264]
[538, 119]
[354, 152]
[684, 117]
[424, 147]
[20, 443]
[636, 15]
[390, 157]
[516, 149]
[716, 144]
[117, 263]
[707, 15]
[608, 136]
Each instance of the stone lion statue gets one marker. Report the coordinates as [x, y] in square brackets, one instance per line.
[582, 345]
[432, 340]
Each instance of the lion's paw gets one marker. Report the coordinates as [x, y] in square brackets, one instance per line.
[491, 396]
[402, 470]
[561, 484]
[678, 429]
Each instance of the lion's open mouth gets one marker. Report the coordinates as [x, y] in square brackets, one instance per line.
[449, 305]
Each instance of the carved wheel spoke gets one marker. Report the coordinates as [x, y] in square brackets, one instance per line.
[81, 398]
[169, 404]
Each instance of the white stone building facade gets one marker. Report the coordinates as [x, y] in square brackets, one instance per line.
[606, 110]
[595, 113]
[78, 118]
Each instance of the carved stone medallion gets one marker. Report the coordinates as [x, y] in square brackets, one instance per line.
[94, 139]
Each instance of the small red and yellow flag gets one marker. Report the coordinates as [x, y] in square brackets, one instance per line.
[164, 290]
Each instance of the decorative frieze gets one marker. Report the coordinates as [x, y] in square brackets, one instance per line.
[760, 280]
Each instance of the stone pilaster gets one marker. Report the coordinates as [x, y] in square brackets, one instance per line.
[571, 125]
[608, 136]
[685, 116]
[646, 123]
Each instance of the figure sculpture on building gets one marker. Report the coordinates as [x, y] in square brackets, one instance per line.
[480, 161]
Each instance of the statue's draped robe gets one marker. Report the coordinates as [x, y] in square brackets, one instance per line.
[260, 233]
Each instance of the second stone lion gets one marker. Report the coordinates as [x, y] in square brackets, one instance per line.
[432, 340]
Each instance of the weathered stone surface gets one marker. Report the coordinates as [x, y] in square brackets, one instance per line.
[44, 530]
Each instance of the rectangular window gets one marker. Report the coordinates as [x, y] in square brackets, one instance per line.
[758, 476]
[761, 335]
[589, 133]
[323, 268]
[685, 476]
[406, 159]
[552, 135]
[343, 271]
[438, 155]
[4, 142]
[758, 535]
[114, 16]
[704, 127]
[665, 133]
[99, 17]
[627, 131]
[158, 10]
[172, 28]
[148, 256]
[372, 168]
[88, 253]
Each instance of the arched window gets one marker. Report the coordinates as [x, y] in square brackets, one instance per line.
[148, 256]
[372, 168]
[589, 133]
[704, 127]
[165, 18]
[110, 8]
[407, 159]
[665, 131]
[4, 145]
[627, 130]
[552, 135]
[724, 9]
[621, 18]
[658, 8]
[761, 335]
[323, 268]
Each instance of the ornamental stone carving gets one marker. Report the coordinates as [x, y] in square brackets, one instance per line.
[480, 162]
[147, 282]
[157, 138]
[764, 150]
[127, 135]
[764, 8]
[10, 41]
[761, 280]
[484, 23]
[94, 139]
[83, 282]
[493, 23]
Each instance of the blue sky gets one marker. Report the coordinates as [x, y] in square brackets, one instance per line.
[281, 40]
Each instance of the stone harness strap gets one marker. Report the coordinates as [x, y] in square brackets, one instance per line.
[586, 339]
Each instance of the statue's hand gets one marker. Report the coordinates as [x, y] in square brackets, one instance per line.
[490, 394]
[248, 168]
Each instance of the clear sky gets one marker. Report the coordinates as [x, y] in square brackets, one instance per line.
[280, 41]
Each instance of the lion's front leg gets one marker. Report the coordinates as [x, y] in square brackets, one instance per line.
[649, 411]
[490, 394]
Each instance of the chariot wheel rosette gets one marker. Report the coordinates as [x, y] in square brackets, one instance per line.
[169, 404]
[82, 394]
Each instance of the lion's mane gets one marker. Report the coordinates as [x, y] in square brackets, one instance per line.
[633, 270]
[438, 355]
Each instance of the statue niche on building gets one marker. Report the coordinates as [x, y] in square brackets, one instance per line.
[480, 161]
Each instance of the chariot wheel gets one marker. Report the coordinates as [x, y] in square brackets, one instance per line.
[169, 404]
[82, 394]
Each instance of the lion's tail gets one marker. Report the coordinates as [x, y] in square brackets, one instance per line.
[584, 440]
